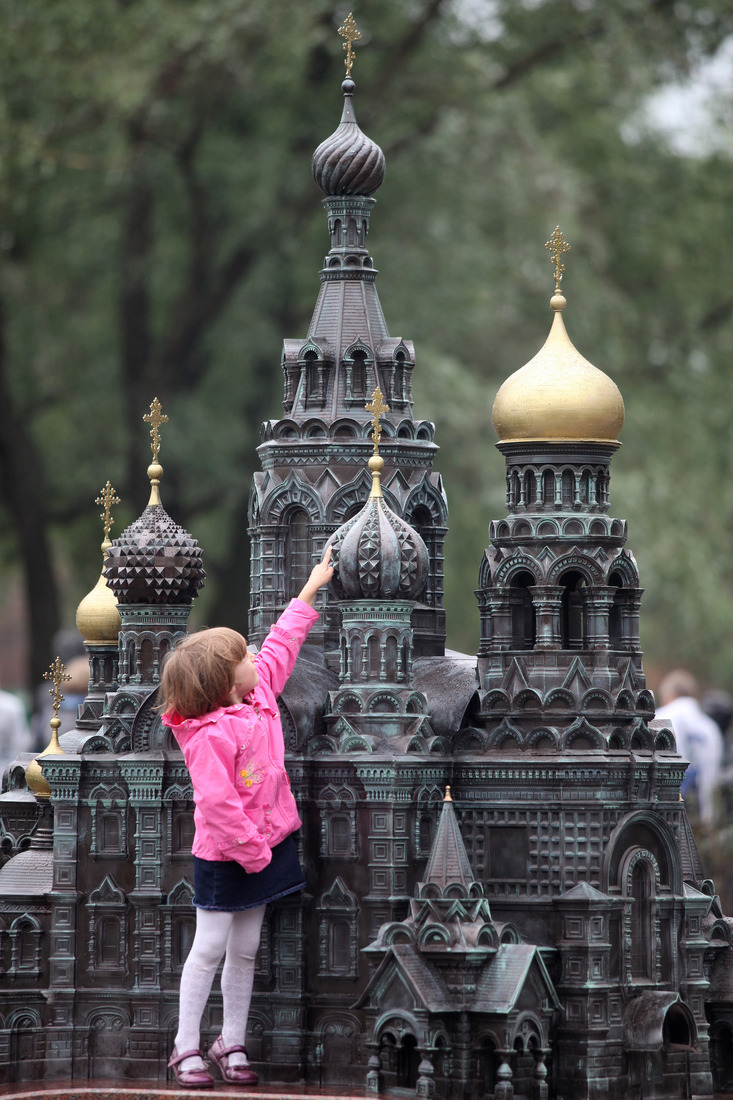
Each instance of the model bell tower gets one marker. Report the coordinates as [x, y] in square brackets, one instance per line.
[314, 476]
[559, 658]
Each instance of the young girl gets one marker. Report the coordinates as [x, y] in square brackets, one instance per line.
[220, 702]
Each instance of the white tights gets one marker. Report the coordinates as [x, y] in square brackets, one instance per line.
[217, 932]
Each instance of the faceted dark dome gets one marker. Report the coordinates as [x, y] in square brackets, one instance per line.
[154, 561]
[348, 162]
[378, 556]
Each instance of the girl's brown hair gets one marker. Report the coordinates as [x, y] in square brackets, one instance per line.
[199, 673]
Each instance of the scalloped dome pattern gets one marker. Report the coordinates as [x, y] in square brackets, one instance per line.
[154, 561]
[348, 162]
[378, 556]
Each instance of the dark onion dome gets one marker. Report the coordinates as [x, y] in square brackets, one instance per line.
[377, 556]
[154, 561]
[348, 162]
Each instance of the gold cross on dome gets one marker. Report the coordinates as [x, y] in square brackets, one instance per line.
[348, 31]
[557, 246]
[56, 672]
[378, 408]
[155, 418]
[106, 499]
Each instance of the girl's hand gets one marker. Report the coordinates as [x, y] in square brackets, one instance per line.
[321, 575]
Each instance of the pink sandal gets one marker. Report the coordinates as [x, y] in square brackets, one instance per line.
[236, 1075]
[190, 1078]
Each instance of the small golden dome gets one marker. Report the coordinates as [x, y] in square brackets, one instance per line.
[97, 618]
[558, 396]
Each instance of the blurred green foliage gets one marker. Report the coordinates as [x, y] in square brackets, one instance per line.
[160, 234]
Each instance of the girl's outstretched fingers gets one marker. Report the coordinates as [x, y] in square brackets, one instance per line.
[320, 576]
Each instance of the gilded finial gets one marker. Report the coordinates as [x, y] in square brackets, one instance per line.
[155, 418]
[57, 674]
[448, 795]
[378, 407]
[106, 499]
[557, 246]
[376, 463]
[348, 31]
[34, 776]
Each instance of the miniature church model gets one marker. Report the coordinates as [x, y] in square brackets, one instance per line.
[504, 898]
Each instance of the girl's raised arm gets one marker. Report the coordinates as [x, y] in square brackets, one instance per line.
[321, 575]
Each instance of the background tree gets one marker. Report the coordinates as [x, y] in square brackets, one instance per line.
[161, 234]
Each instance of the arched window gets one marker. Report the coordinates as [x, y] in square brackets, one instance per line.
[572, 625]
[298, 552]
[359, 375]
[615, 627]
[641, 919]
[487, 1066]
[408, 1060]
[524, 632]
[375, 658]
[147, 659]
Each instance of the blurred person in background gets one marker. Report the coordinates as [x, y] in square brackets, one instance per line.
[15, 733]
[699, 739]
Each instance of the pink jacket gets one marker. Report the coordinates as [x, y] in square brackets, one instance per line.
[236, 758]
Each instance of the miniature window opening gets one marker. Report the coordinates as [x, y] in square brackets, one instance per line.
[530, 486]
[26, 946]
[298, 552]
[427, 829]
[314, 378]
[615, 613]
[110, 832]
[408, 1060]
[424, 524]
[676, 1030]
[507, 854]
[398, 379]
[721, 1046]
[641, 917]
[358, 375]
[184, 927]
[487, 1066]
[375, 659]
[147, 660]
[183, 830]
[108, 942]
[524, 631]
[572, 616]
[339, 835]
[568, 489]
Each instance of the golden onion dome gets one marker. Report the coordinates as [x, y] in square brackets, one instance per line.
[97, 618]
[558, 396]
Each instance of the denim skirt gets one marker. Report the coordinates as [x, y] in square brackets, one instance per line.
[225, 885]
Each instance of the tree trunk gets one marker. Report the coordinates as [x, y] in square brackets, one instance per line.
[22, 485]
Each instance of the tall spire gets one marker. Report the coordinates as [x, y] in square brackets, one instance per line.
[448, 860]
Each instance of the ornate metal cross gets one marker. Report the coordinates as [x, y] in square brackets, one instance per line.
[348, 31]
[155, 418]
[106, 499]
[378, 408]
[56, 672]
[557, 246]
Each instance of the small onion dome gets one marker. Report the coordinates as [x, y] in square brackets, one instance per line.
[97, 618]
[558, 396]
[377, 556]
[348, 162]
[154, 561]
